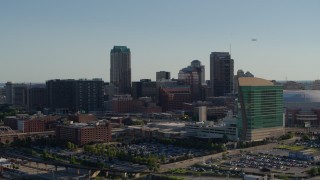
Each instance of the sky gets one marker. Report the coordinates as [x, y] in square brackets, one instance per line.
[42, 40]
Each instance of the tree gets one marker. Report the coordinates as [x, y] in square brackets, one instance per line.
[73, 160]
[305, 137]
[45, 154]
[314, 171]
[225, 138]
[224, 156]
[69, 145]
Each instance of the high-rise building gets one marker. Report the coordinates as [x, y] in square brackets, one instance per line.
[194, 76]
[9, 92]
[261, 109]
[20, 95]
[89, 95]
[221, 73]
[2, 95]
[61, 95]
[16, 94]
[120, 69]
[75, 95]
[145, 88]
[162, 75]
[37, 97]
[196, 64]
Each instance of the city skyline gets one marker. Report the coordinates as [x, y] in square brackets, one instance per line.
[72, 40]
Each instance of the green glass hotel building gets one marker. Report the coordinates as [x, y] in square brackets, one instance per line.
[260, 109]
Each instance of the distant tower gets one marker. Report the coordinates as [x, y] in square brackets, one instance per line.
[162, 75]
[193, 75]
[196, 64]
[221, 73]
[9, 92]
[120, 69]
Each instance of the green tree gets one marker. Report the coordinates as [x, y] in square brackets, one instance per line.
[73, 160]
[69, 145]
[225, 138]
[305, 137]
[224, 156]
[45, 154]
[314, 171]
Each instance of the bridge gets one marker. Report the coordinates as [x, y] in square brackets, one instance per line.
[7, 135]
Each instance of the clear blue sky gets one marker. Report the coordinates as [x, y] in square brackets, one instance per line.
[41, 40]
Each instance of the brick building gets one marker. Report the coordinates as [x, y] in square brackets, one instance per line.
[83, 133]
[172, 98]
[82, 118]
[35, 123]
[122, 103]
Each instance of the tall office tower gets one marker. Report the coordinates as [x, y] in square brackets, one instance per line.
[261, 109]
[20, 95]
[221, 73]
[9, 92]
[16, 94]
[89, 95]
[120, 69]
[61, 95]
[196, 64]
[162, 75]
[2, 95]
[194, 76]
[37, 97]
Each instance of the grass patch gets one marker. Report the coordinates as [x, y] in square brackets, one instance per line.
[179, 171]
[291, 148]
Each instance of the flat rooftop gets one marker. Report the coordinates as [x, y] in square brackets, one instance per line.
[252, 81]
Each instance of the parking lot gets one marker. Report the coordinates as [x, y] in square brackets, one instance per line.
[266, 161]
[170, 152]
[259, 161]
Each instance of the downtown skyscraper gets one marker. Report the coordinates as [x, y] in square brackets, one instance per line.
[193, 75]
[120, 69]
[221, 73]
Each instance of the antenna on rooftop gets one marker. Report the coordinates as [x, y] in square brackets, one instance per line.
[230, 48]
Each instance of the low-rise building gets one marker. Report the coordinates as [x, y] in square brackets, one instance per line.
[122, 103]
[213, 112]
[302, 108]
[210, 130]
[306, 155]
[5, 163]
[146, 106]
[156, 131]
[34, 123]
[82, 118]
[85, 133]
[172, 98]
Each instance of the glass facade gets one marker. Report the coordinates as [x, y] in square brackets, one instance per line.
[260, 107]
